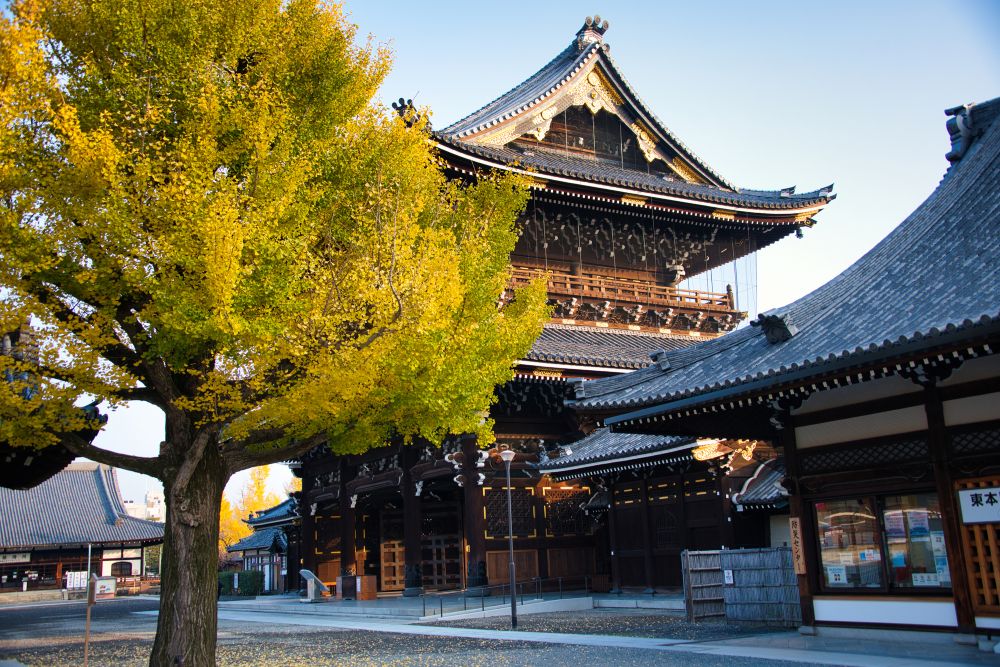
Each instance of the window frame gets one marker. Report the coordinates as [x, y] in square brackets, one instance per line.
[876, 501]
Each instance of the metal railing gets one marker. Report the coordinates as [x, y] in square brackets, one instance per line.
[488, 597]
[626, 291]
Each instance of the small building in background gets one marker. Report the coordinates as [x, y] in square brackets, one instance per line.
[152, 509]
[273, 543]
[46, 531]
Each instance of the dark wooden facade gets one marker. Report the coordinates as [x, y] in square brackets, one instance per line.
[620, 213]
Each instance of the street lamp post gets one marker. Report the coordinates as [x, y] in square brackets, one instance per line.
[508, 455]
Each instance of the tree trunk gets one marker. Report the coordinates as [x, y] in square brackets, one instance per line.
[187, 624]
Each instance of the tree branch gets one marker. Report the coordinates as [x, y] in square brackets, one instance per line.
[193, 458]
[240, 458]
[80, 446]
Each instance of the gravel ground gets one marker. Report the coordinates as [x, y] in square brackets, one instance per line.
[299, 646]
[626, 622]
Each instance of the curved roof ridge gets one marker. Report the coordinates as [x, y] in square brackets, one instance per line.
[475, 120]
[661, 126]
[544, 162]
[923, 280]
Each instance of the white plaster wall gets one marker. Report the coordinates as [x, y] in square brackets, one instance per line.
[856, 393]
[980, 368]
[985, 407]
[904, 420]
[781, 532]
[939, 613]
[136, 566]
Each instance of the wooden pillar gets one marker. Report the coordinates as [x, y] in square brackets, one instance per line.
[348, 551]
[475, 522]
[543, 542]
[647, 542]
[798, 509]
[937, 441]
[412, 518]
[307, 533]
[728, 532]
[616, 579]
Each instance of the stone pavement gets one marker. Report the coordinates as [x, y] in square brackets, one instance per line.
[399, 616]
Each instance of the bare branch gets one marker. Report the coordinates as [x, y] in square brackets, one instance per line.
[80, 446]
[241, 458]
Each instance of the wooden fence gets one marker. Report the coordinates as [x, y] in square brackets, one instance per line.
[747, 585]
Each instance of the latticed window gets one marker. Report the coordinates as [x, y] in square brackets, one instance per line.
[976, 442]
[121, 569]
[563, 510]
[865, 455]
[521, 507]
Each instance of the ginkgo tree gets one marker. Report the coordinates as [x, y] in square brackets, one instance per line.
[201, 208]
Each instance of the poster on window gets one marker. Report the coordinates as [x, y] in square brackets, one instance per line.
[836, 575]
[980, 505]
[937, 543]
[894, 527]
[943, 573]
[920, 529]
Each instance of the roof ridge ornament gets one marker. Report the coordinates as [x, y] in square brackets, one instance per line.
[659, 358]
[776, 328]
[592, 32]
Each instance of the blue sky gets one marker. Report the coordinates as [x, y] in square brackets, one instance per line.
[770, 94]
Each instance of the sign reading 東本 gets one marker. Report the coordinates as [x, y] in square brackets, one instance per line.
[980, 505]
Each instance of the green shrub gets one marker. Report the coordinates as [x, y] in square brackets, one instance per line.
[250, 583]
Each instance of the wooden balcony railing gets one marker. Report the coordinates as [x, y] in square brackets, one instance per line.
[594, 288]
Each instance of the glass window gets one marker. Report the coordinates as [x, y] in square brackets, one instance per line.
[914, 542]
[850, 549]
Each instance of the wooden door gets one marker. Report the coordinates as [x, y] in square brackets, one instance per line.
[441, 565]
[498, 565]
[391, 554]
[981, 549]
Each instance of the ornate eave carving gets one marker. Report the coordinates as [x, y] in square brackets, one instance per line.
[591, 88]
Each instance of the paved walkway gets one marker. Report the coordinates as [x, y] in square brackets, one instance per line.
[771, 647]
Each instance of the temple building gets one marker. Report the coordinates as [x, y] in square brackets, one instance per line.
[52, 529]
[621, 213]
[882, 391]
[271, 546]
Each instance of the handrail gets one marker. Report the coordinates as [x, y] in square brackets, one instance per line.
[481, 597]
[606, 288]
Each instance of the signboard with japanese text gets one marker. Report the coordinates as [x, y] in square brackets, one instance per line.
[980, 505]
[798, 555]
[8, 558]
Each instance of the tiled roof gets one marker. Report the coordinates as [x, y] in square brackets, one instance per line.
[764, 488]
[79, 505]
[529, 92]
[932, 279]
[605, 348]
[283, 511]
[544, 85]
[604, 447]
[272, 538]
[549, 162]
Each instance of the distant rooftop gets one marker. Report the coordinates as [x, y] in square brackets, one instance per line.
[80, 505]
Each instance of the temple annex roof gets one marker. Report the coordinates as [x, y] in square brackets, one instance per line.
[930, 283]
[510, 133]
[272, 538]
[80, 505]
[604, 450]
[283, 512]
[601, 347]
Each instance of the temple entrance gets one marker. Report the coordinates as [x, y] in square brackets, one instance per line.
[440, 547]
[392, 556]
